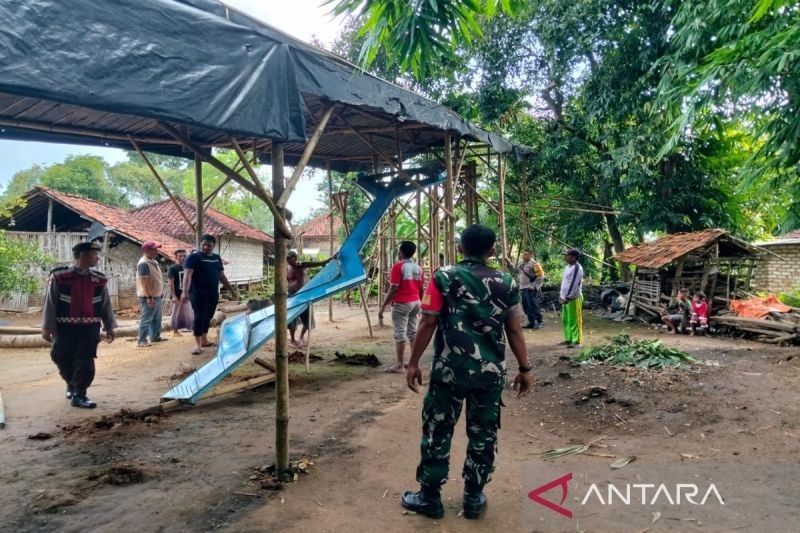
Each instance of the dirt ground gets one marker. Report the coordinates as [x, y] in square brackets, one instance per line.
[201, 468]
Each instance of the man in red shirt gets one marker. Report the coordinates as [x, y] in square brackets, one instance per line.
[407, 283]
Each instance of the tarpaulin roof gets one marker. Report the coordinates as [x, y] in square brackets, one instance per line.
[96, 71]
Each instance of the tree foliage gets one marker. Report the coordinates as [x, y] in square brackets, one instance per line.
[587, 86]
[415, 34]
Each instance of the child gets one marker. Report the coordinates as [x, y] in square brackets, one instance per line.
[699, 313]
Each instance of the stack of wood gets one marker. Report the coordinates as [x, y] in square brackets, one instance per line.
[776, 328]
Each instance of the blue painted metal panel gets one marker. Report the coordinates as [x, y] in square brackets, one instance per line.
[242, 335]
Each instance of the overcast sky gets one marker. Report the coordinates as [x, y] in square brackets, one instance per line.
[304, 19]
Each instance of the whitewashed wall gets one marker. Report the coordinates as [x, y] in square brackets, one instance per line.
[245, 258]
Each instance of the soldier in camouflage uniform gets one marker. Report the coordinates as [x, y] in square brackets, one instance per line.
[471, 308]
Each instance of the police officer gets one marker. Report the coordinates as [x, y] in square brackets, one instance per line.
[76, 303]
[472, 308]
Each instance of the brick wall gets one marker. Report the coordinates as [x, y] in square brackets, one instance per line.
[776, 275]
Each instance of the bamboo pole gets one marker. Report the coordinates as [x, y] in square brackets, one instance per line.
[307, 153]
[449, 226]
[418, 220]
[256, 188]
[330, 228]
[160, 182]
[502, 178]
[198, 195]
[308, 340]
[281, 293]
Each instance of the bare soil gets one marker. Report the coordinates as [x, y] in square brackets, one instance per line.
[356, 430]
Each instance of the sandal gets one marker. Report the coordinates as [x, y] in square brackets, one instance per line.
[393, 370]
[197, 351]
[208, 345]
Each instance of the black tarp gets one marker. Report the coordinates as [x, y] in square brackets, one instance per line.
[193, 62]
[151, 58]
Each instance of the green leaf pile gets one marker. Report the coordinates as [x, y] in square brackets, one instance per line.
[621, 350]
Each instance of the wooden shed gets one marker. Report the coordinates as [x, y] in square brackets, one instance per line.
[240, 245]
[712, 261]
[55, 221]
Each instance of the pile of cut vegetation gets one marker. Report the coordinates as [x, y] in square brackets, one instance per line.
[621, 350]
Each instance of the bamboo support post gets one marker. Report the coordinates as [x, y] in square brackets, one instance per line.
[198, 194]
[330, 228]
[308, 151]
[502, 193]
[308, 340]
[449, 228]
[280, 296]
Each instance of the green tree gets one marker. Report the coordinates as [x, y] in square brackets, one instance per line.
[415, 34]
[739, 61]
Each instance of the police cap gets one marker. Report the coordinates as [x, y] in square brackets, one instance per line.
[85, 247]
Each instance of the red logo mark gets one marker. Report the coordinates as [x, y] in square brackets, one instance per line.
[535, 495]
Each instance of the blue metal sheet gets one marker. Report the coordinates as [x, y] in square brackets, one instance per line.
[242, 335]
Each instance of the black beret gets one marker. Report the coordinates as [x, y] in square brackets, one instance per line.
[86, 246]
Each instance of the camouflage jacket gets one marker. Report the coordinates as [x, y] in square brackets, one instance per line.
[472, 302]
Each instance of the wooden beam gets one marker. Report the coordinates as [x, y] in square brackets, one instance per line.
[161, 182]
[311, 145]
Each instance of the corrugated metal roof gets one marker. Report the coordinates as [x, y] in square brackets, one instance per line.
[663, 251]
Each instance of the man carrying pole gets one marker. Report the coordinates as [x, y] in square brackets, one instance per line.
[531, 276]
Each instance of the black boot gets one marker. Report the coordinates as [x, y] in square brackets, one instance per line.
[474, 502]
[427, 502]
[83, 402]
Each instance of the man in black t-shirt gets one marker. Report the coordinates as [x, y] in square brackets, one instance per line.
[203, 272]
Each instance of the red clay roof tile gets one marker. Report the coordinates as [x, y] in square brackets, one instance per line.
[165, 216]
[119, 220]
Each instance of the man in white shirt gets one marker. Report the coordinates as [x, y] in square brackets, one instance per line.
[572, 300]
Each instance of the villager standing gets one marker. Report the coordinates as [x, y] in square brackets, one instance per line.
[202, 274]
[76, 304]
[571, 298]
[296, 277]
[150, 290]
[406, 287]
[182, 314]
[471, 308]
[531, 276]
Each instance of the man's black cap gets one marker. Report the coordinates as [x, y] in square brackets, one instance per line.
[573, 252]
[85, 247]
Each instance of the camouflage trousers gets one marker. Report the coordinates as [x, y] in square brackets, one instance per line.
[440, 412]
